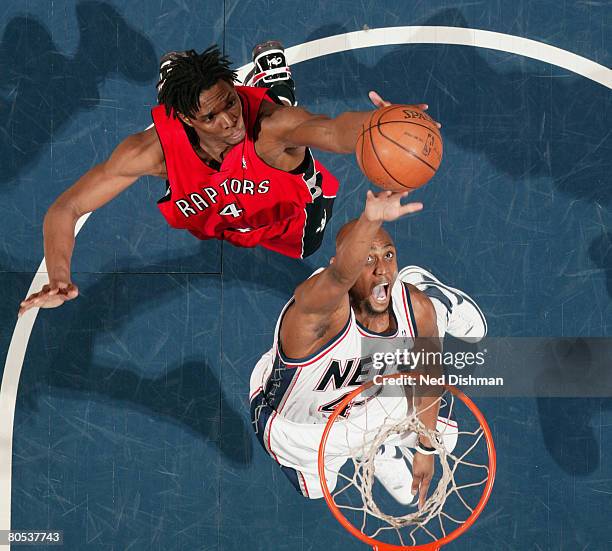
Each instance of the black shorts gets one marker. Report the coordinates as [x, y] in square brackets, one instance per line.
[318, 215]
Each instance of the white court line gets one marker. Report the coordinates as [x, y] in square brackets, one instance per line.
[10, 382]
[457, 36]
[296, 54]
[8, 395]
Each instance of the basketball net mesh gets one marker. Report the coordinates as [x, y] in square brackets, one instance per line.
[463, 470]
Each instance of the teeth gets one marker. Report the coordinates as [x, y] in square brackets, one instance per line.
[380, 291]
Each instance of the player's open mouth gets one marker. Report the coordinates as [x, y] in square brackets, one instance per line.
[379, 292]
[238, 135]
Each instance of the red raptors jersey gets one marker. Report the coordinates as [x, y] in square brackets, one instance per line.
[245, 201]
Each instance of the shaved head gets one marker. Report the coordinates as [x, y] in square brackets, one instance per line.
[382, 234]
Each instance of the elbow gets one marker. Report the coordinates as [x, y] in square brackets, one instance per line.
[61, 209]
[338, 277]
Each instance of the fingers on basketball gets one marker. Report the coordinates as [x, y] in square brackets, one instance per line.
[399, 148]
[377, 100]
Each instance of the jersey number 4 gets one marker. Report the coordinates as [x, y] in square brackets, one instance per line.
[330, 407]
[231, 210]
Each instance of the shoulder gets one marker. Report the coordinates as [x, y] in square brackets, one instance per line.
[311, 320]
[279, 119]
[142, 142]
[139, 154]
[424, 312]
[320, 300]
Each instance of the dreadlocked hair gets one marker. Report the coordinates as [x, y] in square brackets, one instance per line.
[185, 75]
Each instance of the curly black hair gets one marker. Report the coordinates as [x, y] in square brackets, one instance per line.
[184, 76]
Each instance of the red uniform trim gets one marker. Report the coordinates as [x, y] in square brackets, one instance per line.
[447, 422]
[407, 310]
[269, 429]
[305, 487]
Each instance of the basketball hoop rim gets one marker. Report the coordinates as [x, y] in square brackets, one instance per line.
[434, 546]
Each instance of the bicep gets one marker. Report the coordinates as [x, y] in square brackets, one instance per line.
[322, 294]
[316, 314]
[296, 127]
[134, 157]
[94, 189]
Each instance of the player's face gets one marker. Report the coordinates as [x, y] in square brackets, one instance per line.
[220, 114]
[373, 288]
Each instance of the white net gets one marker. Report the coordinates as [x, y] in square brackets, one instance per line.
[378, 421]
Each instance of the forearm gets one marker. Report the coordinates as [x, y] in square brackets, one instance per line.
[428, 395]
[58, 230]
[353, 249]
[428, 408]
[297, 127]
[428, 345]
[347, 129]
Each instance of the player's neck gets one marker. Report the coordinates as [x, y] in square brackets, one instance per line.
[206, 148]
[214, 151]
[374, 321]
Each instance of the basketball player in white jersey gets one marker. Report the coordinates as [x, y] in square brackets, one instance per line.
[317, 357]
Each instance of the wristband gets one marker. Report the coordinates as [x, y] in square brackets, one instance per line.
[425, 450]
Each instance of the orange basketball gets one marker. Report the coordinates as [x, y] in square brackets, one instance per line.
[399, 148]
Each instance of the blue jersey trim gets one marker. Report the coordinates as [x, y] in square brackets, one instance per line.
[294, 362]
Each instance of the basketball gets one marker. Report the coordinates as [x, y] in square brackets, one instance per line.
[399, 148]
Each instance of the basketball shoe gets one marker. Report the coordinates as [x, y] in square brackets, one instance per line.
[391, 470]
[457, 313]
[164, 67]
[270, 70]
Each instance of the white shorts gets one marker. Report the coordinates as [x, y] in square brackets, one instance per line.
[295, 446]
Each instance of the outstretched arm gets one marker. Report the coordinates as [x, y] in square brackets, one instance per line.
[321, 303]
[427, 399]
[322, 293]
[295, 127]
[379, 102]
[136, 156]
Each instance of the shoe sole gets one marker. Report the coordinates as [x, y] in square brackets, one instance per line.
[438, 283]
[263, 48]
[268, 45]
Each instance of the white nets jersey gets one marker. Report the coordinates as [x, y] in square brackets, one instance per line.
[307, 390]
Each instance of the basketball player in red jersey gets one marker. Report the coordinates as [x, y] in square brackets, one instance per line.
[237, 164]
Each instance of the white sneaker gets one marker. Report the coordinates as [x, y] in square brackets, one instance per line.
[464, 318]
[270, 70]
[391, 470]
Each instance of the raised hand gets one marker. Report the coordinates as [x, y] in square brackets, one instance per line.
[422, 473]
[379, 102]
[52, 295]
[386, 206]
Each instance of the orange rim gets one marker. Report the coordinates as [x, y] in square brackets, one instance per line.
[433, 546]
